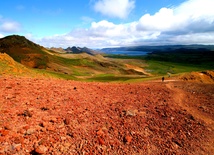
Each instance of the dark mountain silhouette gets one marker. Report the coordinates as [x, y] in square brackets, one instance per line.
[78, 50]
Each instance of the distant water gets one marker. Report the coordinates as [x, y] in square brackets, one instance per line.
[131, 53]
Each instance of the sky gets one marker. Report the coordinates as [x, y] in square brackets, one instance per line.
[109, 23]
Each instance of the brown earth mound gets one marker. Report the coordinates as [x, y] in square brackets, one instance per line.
[9, 66]
[40, 116]
[35, 61]
[203, 77]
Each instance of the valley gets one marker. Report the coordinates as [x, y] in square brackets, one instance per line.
[57, 102]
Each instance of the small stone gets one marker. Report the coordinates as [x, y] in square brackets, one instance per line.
[101, 141]
[41, 149]
[8, 127]
[61, 126]
[100, 132]
[128, 113]
[44, 124]
[44, 108]
[63, 138]
[50, 128]
[53, 120]
[128, 139]
[30, 131]
[70, 134]
[4, 132]
[22, 131]
[18, 140]
[17, 146]
[27, 113]
[26, 127]
[67, 121]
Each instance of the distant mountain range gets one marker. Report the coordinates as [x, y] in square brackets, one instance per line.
[75, 50]
[163, 48]
[78, 50]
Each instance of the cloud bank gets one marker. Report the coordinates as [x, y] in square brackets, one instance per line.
[8, 26]
[115, 8]
[192, 22]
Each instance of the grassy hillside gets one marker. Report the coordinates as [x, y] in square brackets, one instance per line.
[180, 60]
[9, 66]
[84, 66]
[70, 66]
[24, 51]
[164, 61]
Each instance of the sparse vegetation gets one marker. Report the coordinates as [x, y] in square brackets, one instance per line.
[83, 66]
[111, 78]
[174, 61]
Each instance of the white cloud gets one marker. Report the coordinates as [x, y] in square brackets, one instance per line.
[10, 26]
[107, 29]
[29, 36]
[197, 38]
[115, 8]
[162, 20]
[191, 22]
[189, 16]
[196, 9]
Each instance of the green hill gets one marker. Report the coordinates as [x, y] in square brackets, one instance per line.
[24, 51]
[83, 65]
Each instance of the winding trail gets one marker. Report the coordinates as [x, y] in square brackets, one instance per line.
[180, 98]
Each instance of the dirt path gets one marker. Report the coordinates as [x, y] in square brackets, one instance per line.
[180, 98]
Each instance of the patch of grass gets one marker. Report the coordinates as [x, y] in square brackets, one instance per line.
[52, 74]
[111, 78]
[71, 62]
[162, 68]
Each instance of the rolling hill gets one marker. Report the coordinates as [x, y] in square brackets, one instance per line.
[9, 66]
[75, 63]
[24, 51]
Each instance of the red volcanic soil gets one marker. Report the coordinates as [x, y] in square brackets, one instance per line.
[47, 116]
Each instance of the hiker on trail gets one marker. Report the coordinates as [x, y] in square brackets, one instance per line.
[163, 79]
[168, 74]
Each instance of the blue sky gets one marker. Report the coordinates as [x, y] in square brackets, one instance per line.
[109, 23]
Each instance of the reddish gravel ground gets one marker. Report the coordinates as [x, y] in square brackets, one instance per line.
[47, 116]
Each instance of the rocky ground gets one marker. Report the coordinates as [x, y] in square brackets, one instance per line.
[49, 116]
